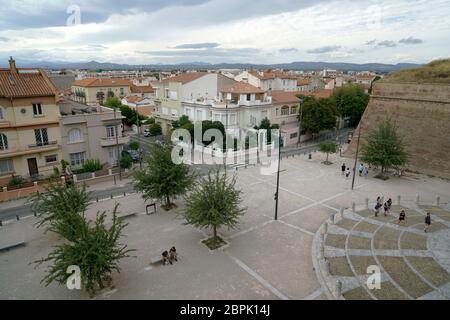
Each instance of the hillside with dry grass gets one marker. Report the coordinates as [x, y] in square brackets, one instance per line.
[434, 72]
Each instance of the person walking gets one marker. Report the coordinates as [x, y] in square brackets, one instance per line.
[387, 207]
[173, 256]
[366, 171]
[427, 222]
[165, 258]
[402, 217]
[347, 173]
[378, 205]
[343, 167]
[361, 169]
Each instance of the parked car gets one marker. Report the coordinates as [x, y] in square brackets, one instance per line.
[134, 154]
[146, 133]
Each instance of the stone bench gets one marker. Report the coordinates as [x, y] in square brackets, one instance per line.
[126, 215]
[11, 245]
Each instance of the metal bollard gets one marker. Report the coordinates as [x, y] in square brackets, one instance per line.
[111, 196]
[353, 206]
[367, 203]
[399, 199]
[438, 200]
[417, 198]
[17, 217]
[332, 218]
[338, 288]
[1, 223]
[341, 212]
[96, 199]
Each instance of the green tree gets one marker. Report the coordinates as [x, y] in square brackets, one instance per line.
[100, 97]
[317, 114]
[155, 129]
[162, 179]
[96, 251]
[350, 101]
[126, 161]
[266, 125]
[113, 102]
[384, 147]
[328, 147]
[134, 145]
[182, 121]
[60, 209]
[214, 202]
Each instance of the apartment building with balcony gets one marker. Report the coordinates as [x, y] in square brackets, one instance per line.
[192, 86]
[87, 90]
[30, 140]
[285, 113]
[90, 133]
[269, 80]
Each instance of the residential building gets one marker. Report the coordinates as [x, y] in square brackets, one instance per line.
[144, 106]
[285, 113]
[141, 87]
[90, 133]
[191, 86]
[30, 140]
[86, 90]
[269, 80]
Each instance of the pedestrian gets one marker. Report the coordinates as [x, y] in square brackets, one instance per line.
[378, 205]
[402, 216]
[361, 169]
[347, 173]
[427, 222]
[387, 207]
[173, 254]
[343, 168]
[165, 258]
[366, 172]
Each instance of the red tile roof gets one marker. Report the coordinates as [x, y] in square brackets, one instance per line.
[303, 82]
[141, 89]
[241, 87]
[322, 93]
[25, 83]
[133, 99]
[267, 75]
[102, 82]
[283, 97]
[185, 77]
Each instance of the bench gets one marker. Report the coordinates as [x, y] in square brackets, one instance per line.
[126, 215]
[150, 205]
[12, 245]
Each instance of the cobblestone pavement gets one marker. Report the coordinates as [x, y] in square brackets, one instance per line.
[264, 258]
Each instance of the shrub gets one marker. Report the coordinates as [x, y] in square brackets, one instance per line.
[92, 165]
[14, 181]
[134, 145]
[155, 129]
[125, 161]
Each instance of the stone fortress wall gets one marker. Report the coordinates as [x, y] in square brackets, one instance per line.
[422, 115]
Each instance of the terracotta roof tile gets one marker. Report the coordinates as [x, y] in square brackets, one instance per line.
[282, 97]
[322, 93]
[25, 83]
[241, 87]
[185, 77]
[141, 89]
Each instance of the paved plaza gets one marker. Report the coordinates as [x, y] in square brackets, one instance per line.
[264, 258]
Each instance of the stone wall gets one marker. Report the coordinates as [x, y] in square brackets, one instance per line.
[422, 115]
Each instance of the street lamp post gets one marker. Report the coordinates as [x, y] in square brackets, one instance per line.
[356, 156]
[278, 175]
[117, 144]
[138, 124]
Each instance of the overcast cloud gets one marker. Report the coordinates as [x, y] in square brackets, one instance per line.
[264, 31]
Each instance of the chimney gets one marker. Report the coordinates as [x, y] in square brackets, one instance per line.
[12, 65]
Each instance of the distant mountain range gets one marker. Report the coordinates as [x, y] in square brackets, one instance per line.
[301, 65]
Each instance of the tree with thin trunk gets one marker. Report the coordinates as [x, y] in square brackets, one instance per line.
[384, 147]
[328, 147]
[100, 97]
[162, 179]
[214, 203]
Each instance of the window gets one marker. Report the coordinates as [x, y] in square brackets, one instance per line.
[293, 109]
[41, 137]
[232, 119]
[37, 109]
[110, 131]
[75, 135]
[249, 97]
[3, 142]
[6, 166]
[113, 155]
[122, 91]
[2, 116]
[294, 135]
[285, 111]
[173, 95]
[77, 159]
[199, 115]
[51, 159]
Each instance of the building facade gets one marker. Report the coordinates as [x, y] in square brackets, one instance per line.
[87, 90]
[30, 140]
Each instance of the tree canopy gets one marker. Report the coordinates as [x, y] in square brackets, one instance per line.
[350, 101]
[317, 115]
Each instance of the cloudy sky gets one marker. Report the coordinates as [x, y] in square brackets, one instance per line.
[263, 31]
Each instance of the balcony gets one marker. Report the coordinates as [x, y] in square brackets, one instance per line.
[44, 144]
[111, 141]
[14, 151]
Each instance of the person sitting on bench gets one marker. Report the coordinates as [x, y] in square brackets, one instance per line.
[165, 258]
[173, 254]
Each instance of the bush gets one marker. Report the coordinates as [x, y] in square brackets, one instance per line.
[155, 129]
[15, 181]
[134, 145]
[91, 165]
[126, 161]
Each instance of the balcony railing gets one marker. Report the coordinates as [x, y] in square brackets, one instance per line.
[111, 141]
[43, 144]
